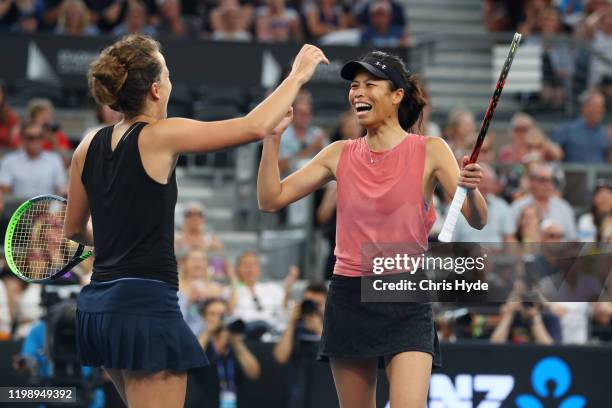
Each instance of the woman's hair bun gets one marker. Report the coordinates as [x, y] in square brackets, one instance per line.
[107, 75]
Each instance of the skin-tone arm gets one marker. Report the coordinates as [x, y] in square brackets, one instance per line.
[283, 349]
[538, 330]
[501, 332]
[327, 208]
[248, 362]
[77, 225]
[178, 135]
[441, 166]
[272, 194]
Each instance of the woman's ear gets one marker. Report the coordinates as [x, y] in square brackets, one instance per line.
[398, 96]
[155, 91]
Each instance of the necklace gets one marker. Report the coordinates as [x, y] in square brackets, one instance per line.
[374, 161]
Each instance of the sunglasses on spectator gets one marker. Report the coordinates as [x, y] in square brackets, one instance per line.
[191, 212]
[521, 128]
[541, 179]
[31, 138]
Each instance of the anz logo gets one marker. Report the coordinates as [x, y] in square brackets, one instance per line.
[550, 379]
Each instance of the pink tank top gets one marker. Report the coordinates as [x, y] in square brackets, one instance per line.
[381, 204]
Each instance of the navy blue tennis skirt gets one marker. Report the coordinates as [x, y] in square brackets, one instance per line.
[135, 324]
[356, 329]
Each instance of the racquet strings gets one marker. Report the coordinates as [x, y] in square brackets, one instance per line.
[39, 247]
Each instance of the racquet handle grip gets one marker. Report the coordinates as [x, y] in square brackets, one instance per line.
[453, 214]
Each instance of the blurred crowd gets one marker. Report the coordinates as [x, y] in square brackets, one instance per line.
[381, 23]
[550, 24]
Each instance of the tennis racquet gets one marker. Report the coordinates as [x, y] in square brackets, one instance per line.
[35, 247]
[453, 212]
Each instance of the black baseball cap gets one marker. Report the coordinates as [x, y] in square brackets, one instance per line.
[375, 67]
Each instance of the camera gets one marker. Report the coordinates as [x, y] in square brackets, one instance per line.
[530, 299]
[308, 307]
[234, 325]
[51, 126]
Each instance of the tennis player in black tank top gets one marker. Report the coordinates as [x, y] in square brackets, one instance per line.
[122, 177]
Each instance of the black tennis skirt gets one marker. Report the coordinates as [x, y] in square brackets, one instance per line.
[135, 324]
[355, 329]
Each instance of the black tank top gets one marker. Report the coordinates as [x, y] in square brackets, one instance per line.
[132, 214]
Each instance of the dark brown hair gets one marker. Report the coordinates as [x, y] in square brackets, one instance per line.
[411, 107]
[123, 73]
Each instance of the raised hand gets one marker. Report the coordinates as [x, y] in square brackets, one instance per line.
[306, 62]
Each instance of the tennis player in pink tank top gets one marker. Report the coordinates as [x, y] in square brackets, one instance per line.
[385, 182]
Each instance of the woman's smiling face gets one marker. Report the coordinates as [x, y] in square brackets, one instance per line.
[372, 100]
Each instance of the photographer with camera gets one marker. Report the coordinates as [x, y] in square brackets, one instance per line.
[231, 362]
[300, 340]
[41, 113]
[524, 319]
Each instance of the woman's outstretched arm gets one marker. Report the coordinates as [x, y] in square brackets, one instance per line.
[274, 194]
[179, 135]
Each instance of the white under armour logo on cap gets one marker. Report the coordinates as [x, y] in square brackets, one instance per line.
[383, 66]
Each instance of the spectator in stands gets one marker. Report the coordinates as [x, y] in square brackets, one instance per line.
[538, 147]
[40, 113]
[525, 320]
[543, 194]
[324, 17]
[105, 117]
[589, 224]
[193, 234]
[602, 320]
[244, 18]
[380, 32]
[73, 19]
[348, 128]
[300, 340]
[27, 23]
[173, 22]
[23, 15]
[263, 306]
[599, 30]
[532, 15]
[231, 362]
[196, 286]
[574, 318]
[528, 225]
[520, 124]
[503, 15]
[605, 230]
[231, 26]
[135, 21]
[499, 226]
[571, 10]
[361, 9]
[558, 59]
[561, 274]
[9, 121]
[276, 23]
[585, 139]
[305, 324]
[31, 171]
[302, 140]
[107, 14]
[12, 290]
[460, 132]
